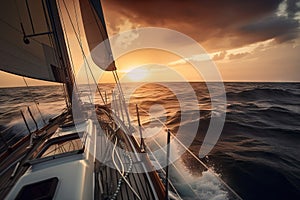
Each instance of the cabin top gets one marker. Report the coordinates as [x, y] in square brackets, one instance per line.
[63, 167]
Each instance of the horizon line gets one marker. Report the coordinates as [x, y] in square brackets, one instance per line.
[230, 81]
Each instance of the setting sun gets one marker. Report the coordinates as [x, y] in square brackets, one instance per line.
[137, 74]
[150, 99]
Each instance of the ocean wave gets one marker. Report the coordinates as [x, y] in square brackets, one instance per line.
[258, 170]
[262, 93]
[257, 153]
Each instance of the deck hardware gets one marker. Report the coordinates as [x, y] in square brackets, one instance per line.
[142, 143]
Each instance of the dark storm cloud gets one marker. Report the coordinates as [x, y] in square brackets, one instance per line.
[292, 7]
[222, 24]
[280, 28]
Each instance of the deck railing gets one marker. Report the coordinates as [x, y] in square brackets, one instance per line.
[151, 144]
[26, 120]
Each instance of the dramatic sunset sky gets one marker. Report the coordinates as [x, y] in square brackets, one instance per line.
[249, 40]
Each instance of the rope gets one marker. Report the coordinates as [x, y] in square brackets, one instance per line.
[123, 177]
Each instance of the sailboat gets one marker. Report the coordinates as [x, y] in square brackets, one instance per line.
[70, 158]
[59, 163]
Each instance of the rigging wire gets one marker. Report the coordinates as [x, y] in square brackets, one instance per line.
[77, 21]
[52, 44]
[194, 156]
[50, 37]
[65, 93]
[45, 16]
[81, 48]
[30, 17]
[56, 56]
[20, 20]
[175, 167]
[122, 98]
[34, 100]
[80, 44]
[87, 76]
[70, 53]
[84, 60]
[68, 43]
[160, 167]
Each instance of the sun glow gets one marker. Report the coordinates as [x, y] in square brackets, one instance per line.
[137, 74]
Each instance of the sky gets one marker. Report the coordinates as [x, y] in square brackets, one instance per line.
[249, 40]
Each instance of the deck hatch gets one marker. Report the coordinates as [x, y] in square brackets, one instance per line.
[42, 190]
[65, 144]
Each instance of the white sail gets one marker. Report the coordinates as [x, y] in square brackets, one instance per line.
[96, 33]
[26, 47]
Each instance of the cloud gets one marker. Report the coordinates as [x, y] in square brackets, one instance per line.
[178, 62]
[280, 63]
[220, 56]
[280, 28]
[126, 39]
[292, 7]
[237, 55]
[214, 24]
[194, 58]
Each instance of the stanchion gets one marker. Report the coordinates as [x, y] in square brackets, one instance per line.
[167, 167]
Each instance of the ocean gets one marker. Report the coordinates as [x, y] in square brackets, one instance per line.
[257, 154]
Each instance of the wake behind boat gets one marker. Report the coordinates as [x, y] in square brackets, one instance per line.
[90, 152]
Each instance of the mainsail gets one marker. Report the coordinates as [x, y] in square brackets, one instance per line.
[96, 33]
[26, 43]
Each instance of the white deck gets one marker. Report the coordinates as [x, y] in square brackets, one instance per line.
[75, 172]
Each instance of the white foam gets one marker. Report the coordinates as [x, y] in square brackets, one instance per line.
[206, 187]
[209, 187]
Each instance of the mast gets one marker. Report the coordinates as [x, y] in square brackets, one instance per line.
[61, 47]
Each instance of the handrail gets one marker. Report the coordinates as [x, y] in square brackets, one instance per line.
[194, 156]
[29, 122]
[167, 167]
[175, 167]
[163, 171]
